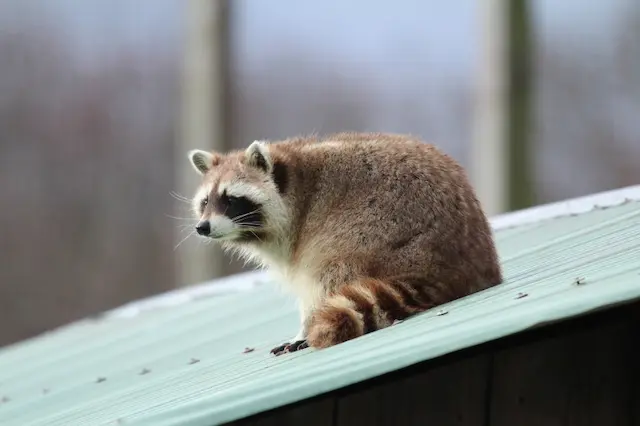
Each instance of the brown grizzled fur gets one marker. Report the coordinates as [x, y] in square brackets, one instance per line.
[364, 228]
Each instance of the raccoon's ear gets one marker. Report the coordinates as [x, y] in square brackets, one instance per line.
[257, 155]
[202, 161]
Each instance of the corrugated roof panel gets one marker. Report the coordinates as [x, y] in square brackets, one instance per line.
[184, 364]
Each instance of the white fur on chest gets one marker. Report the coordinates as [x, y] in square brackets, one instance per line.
[300, 280]
[302, 284]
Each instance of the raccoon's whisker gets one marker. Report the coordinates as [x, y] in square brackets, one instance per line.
[190, 219]
[255, 235]
[183, 240]
[177, 195]
[180, 197]
[241, 216]
[184, 201]
[249, 225]
[246, 223]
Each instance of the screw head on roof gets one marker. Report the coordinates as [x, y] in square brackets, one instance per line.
[442, 312]
[247, 350]
[579, 281]
[194, 361]
[101, 379]
[144, 371]
[5, 399]
[45, 391]
[521, 295]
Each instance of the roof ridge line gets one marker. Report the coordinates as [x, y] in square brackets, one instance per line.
[567, 207]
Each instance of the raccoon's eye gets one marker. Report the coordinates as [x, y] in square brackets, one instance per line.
[204, 203]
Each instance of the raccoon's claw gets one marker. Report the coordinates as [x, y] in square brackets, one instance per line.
[298, 345]
[279, 350]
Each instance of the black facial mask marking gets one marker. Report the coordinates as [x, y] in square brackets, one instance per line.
[241, 210]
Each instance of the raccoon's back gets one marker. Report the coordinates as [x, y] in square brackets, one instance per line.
[395, 184]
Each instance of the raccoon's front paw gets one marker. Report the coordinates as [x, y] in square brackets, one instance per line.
[297, 345]
[279, 350]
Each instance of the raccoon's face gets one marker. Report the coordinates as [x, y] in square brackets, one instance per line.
[238, 200]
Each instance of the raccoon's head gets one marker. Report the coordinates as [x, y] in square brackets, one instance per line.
[239, 200]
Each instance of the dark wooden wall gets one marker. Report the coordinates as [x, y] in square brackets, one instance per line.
[584, 372]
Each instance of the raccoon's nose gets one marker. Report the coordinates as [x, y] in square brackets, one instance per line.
[203, 228]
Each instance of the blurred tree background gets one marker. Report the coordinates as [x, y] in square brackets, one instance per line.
[90, 100]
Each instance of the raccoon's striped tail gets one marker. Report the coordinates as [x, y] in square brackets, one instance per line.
[370, 304]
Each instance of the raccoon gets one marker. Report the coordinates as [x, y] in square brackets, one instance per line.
[365, 229]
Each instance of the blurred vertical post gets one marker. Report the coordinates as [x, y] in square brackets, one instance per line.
[519, 125]
[489, 144]
[500, 157]
[203, 119]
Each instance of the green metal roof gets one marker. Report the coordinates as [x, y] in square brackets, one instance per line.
[183, 362]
